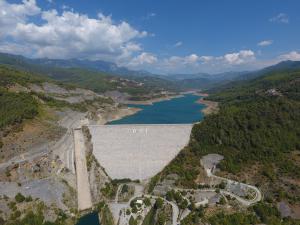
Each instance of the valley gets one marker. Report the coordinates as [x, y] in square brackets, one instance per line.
[165, 156]
[149, 112]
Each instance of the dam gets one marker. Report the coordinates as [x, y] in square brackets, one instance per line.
[137, 151]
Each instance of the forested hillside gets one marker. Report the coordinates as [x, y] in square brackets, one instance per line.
[257, 130]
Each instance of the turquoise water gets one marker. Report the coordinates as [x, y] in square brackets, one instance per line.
[89, 219]
[174, 111]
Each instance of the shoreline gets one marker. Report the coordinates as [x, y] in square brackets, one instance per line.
[211, 107]
[201, 94]
[154, 100]
[116, 114]
[123, 112]
[120, 113]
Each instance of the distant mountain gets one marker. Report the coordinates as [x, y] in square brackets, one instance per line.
[188, 76]
[236, 75]
[231, 75]
[205, 80]
[98, 65]
[64, 70]
[284, 66]
[281, 66]
[84, 73]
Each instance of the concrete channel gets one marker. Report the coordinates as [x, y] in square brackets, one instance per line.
[83, 185]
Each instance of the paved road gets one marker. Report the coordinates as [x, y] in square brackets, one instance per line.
[83, 185]
[118, 193]
[258, 195]
[175, 209]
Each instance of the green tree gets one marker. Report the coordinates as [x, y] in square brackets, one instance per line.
[158, 203]
[19, 198]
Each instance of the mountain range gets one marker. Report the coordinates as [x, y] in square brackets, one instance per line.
[56, 67]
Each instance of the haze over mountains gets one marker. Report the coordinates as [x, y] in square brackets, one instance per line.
[186, 81]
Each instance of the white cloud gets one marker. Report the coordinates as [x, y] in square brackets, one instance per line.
[74, 35]
[174, 61]
[65, 35]
[12, 14]
[265, 43]
[206, 59]
[280, 18]
[195, 63]
[142, 59]
[293, 55]
[178, 44]
[236, 58]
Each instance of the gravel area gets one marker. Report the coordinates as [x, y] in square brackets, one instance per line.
[211, 160]
[48, 190]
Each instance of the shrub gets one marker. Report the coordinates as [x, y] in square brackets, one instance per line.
[19, 198]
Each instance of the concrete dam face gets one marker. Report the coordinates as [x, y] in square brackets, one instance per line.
[137, 151]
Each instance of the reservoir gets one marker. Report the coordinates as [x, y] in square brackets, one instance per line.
[181, 110]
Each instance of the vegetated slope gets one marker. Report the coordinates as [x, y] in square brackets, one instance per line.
[24, 96]
[87, 75]
[215, 82]
[282, 67]
[257, 130]
[21, 90]
[15, 107]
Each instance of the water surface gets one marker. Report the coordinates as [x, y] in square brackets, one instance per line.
[175, 111]
[89, 219]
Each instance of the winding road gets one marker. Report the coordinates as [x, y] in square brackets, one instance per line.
[246, 202]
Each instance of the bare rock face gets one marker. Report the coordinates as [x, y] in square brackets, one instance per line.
[97, 176]
[74, 95]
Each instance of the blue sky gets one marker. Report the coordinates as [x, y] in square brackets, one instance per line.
[160, 36]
